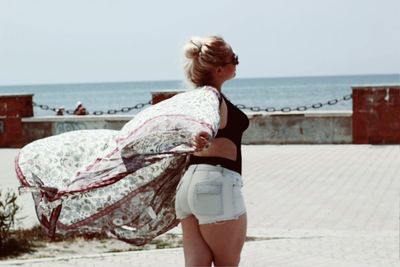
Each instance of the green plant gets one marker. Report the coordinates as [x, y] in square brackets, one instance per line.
[10, 244]
[8, 212]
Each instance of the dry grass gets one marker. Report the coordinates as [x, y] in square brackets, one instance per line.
[22, 241]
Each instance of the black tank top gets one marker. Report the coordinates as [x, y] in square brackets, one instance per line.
[237, 123]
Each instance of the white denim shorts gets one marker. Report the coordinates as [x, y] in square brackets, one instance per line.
[211, 193]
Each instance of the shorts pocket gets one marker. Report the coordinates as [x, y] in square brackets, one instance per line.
[208, 199]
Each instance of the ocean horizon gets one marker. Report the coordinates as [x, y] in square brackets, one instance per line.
[270, 92]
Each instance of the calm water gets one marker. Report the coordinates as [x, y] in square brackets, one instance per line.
[262, 92]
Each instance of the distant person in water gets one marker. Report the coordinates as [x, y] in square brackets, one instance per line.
[80, 109]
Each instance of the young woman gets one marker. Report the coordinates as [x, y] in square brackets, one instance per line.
[209, 201]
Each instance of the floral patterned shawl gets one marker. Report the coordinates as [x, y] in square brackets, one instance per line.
[119, 182]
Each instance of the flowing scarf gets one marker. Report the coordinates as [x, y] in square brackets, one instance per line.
[119, 182]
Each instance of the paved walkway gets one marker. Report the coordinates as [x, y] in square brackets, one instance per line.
[318, 205]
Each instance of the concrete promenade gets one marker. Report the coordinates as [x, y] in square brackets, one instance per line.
[316, 205]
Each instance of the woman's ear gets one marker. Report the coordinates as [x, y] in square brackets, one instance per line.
[218, 70]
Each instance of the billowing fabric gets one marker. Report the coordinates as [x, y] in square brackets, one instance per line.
[119, 182]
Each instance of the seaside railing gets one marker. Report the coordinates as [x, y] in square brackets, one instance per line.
[373, 119]
[240, 106]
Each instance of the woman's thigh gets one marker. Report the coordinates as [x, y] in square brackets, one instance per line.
[196, 250]
[226, 240]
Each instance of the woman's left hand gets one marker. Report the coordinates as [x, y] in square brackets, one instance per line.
[201, 141]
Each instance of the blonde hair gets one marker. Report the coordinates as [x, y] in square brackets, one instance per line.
[202, 55]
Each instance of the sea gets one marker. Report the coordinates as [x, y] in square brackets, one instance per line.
[256, 93]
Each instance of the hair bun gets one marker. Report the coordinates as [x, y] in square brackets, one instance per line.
[193, 48]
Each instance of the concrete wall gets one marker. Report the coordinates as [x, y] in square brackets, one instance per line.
[39, 127]
[300, 128]
[272, 128]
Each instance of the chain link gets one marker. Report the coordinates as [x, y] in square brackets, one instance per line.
[300, 108]
[240, 106]
[97, 112]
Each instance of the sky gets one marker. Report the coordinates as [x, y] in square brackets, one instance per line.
[80, 41]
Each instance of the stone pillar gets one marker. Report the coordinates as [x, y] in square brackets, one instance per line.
[13, 107]
[159, 96]
[376, 114]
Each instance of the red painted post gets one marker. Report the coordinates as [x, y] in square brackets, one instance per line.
[13, 107]
[376, 114]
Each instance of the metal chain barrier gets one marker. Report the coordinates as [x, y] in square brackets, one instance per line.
[97, 112]
[252, 108]
[300, 108]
